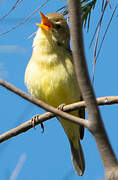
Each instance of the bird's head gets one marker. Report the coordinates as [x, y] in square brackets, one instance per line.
[54, 25]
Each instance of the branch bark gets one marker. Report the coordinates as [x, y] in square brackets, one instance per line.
[31, 124]
[108, 100]
[42, 104]
[96, 125]
[101, 101]
[48, 115]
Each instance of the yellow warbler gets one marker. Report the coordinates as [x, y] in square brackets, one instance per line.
[50, 77]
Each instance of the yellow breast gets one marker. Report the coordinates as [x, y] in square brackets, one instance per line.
[50, 75]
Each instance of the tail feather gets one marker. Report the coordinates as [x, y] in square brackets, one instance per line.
[78, 158]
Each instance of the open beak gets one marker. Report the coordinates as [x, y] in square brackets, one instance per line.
[45, 23]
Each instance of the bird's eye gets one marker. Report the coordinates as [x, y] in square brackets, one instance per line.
[57, 26]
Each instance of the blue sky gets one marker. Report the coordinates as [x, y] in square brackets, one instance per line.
[47, 156]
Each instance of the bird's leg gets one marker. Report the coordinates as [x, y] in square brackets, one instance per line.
[34, 119]
[61, 106]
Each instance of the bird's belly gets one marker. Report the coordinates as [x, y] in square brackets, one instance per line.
[54, 85]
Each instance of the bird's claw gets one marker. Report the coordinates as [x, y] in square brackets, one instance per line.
[34, 119]
[61, 107]
[42, 127]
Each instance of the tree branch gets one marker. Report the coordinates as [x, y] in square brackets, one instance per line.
[101, 101]
[42, 104]
[30, 124]
[96, 124]
[46, 116]
[108, 100]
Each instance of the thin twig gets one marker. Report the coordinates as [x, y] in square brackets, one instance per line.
[97, 37]
[109, 4]
[30, 124]
[106, 31]
[41, 103]
[109, 100]
[26, 19]
[106, 100]
[14, 7]
[32, 35]
[102, 5]
[95, 49]
[100, 21]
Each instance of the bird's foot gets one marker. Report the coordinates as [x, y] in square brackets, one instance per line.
[61, 107]
[42, 127]
[34, 119]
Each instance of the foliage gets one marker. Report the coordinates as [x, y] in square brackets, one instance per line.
[87, 6]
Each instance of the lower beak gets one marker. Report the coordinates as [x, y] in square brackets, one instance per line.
[45, 23]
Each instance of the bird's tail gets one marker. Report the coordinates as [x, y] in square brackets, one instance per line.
[78, 158]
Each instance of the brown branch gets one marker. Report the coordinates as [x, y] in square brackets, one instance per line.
[96, 125]
[42, 104]
[30, 124]
[101, 101]
[24, 127]
[80, 60]
[108, 100]
[44, 117]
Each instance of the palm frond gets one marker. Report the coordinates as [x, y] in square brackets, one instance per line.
[87, 6]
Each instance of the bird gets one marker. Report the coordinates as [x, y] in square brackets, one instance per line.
[50, 77]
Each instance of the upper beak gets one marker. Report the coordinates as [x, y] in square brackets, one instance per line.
[45, 23]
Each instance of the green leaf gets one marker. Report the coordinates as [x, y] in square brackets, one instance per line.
[87, 6]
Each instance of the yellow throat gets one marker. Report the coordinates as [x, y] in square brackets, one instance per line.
[50, 74]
